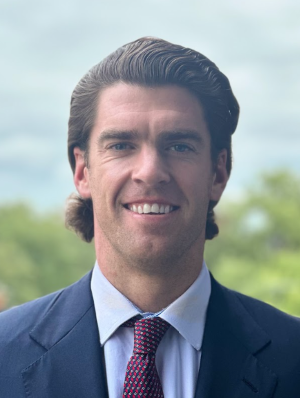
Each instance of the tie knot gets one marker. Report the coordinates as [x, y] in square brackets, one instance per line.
[148, 333]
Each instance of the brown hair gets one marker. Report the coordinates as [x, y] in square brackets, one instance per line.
[151, 62]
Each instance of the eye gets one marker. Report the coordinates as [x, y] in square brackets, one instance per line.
[121, 146]
[180, 148]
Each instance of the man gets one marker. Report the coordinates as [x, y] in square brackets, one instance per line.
[150, 148]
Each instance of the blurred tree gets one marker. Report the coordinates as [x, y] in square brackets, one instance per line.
[37, 254]
[258, 250]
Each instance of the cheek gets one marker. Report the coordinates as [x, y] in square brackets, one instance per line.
[193, 178]
[197, 188]
[108, 182]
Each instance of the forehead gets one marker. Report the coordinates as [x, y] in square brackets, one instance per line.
[124, 106]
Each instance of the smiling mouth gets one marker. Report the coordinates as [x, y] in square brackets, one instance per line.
[155, 208]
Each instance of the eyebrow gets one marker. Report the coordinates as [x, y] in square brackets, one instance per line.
[181, 135]
[173, 135]
[107, 135]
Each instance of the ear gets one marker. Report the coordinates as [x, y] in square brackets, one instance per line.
[220, 177]
[81, 174]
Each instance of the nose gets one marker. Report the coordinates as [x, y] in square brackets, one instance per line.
[151, 168]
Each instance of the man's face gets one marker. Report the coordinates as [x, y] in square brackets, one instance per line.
[150, 174]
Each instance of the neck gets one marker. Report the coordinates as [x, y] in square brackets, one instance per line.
[150, 288]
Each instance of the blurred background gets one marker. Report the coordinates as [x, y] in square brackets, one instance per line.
[46, 47]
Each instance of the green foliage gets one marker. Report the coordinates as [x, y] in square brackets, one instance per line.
[258, 250]
[37, 254]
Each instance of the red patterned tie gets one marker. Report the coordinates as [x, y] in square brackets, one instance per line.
[141, 379]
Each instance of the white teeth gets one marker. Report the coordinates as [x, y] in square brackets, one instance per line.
[155, 208]
[147, 208]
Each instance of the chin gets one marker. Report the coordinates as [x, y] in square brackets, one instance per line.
[155, 261]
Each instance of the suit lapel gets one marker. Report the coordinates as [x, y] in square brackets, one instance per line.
[72, 365]
[229, 368]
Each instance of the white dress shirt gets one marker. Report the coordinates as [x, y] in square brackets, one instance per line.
[178, 355]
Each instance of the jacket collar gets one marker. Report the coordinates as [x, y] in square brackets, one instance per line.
[232, 337]
[72, 365]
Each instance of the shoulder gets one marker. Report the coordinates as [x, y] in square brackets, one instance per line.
[282, 352]
[22, 318]
[284, 332]
[249, 317]
[29, 330]
[17, 350]
[268, 317]
[264, 341]
[276, 322]
[252, 320]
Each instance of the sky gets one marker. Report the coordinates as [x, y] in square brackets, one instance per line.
[47, 46]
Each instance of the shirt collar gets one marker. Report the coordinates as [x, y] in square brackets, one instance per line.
[111, 306]
[186, 314]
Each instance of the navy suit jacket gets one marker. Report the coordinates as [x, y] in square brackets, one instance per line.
[49, 348]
